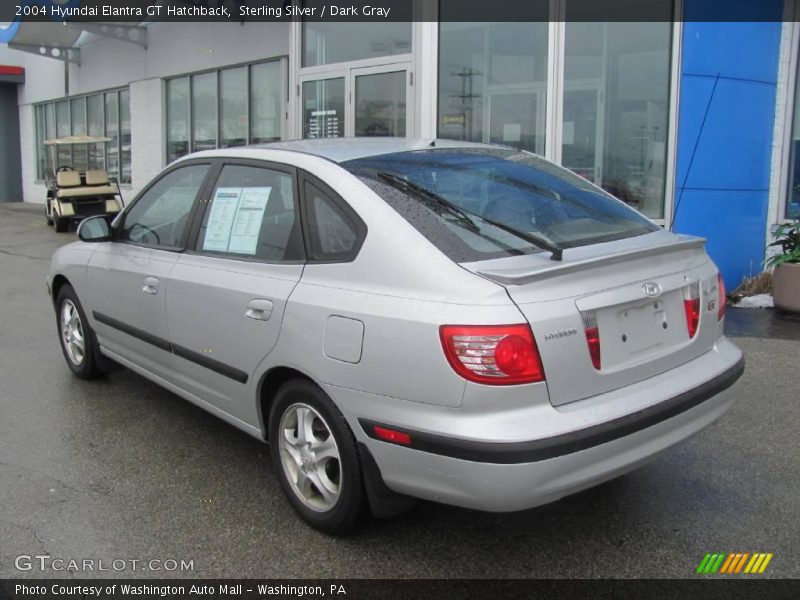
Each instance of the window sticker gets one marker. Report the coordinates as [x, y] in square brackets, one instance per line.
[235, 220]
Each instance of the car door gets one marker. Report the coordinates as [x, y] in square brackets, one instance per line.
[127, 278]
[227, 295]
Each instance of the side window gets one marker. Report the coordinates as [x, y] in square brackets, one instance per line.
[333, 233]
[161, 216]
[252, 215]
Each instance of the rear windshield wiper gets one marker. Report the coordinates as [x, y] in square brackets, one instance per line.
[438, 203]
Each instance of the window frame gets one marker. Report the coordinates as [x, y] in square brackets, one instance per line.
[197, 222]
[192, 225]
[282, 60]
[350, 214]
[786, 98]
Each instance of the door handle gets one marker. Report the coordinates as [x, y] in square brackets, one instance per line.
[150, 286]
[259, 309]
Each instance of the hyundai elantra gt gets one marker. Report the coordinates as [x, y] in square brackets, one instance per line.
[464, 323]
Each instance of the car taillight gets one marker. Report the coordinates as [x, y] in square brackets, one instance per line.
[492, 354]
[592, 337]
[721, 297]
[691, 304]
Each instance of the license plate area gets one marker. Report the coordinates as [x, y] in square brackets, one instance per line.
[637, 330]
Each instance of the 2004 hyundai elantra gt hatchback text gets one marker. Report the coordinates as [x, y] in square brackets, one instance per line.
[463, 323]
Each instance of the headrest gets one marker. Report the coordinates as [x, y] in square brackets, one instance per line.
[97, 177]
[68, 179]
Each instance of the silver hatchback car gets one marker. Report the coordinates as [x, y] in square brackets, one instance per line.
[464, 323]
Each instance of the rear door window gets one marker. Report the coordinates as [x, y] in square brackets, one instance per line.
[252, 215]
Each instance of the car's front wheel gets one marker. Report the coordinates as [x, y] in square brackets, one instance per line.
[76, 336]
[316, 458]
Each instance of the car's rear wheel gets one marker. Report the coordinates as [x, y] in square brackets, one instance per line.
[76, 336]
[316, 457]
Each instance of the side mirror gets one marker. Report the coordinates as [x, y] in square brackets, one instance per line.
[94, 229]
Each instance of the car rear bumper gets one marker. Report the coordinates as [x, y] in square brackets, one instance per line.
[508, 476]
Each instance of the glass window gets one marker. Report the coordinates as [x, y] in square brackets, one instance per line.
[204, 112]
[381, 104]
[493, 82]
[252, 214]
[80, 157]
[160, 216]
[63, 129]
[96, 127]
[233, 107]
[332, 42]
[177, 118]
[334, 235]
[616, 108]
[323, 108]
[266, 102]
[125, 135]
[793, 196]
[464, 200]
[112, 131]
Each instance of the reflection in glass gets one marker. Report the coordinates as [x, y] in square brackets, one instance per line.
[80, 157]
[204, 112]
[616, 107]
[323, 108]
[63, 129]
[325, 43]
[266, 103]
[493, 83]
[125, 134]
[112, 131]
[94, 109]
[381, 104]
[233, 107]
[40, 138]
[793, 197]
[177, 118]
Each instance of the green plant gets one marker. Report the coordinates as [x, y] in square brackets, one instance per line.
[787, 237]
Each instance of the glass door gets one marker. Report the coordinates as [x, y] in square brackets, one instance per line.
[362, 102]
[382, 98]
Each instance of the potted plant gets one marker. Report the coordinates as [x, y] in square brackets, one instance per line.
[786, 265]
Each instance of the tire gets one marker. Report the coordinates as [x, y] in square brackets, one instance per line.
[60, 225]
[322, 480]
[77, 339]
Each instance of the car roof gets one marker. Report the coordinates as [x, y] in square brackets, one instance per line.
[340, 150]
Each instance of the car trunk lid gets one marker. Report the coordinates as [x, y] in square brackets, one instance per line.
[611, 314]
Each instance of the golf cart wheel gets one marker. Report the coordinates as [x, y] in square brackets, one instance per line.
[48, 219]
[60, 225]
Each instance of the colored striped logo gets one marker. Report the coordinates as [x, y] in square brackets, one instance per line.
[734, 563]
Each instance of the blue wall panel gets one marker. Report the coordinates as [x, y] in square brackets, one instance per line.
[724, 140]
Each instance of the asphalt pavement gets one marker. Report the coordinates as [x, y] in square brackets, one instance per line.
[122, 470]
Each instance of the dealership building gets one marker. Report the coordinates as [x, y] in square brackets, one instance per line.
[694, 123]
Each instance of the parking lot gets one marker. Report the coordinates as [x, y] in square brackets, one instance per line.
[121, 469]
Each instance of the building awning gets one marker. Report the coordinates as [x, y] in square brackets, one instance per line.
[10, 74]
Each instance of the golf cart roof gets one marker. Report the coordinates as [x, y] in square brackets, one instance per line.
[77, 139]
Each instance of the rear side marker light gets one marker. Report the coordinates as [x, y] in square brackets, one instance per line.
[721, 297]
[691, 305]
[492, 354]
[592, 337]
[392, 435]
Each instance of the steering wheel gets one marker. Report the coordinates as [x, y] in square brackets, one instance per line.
[137, 236]
[64, 168]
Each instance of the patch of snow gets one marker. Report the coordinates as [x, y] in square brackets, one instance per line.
[757, 301]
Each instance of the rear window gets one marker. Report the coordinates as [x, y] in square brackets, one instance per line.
[456, 196]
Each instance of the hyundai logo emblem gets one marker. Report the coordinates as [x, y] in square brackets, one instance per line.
[651, 289]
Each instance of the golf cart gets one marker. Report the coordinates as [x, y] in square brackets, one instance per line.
[73, 195]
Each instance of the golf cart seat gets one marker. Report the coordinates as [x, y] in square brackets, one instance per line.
[70, 185]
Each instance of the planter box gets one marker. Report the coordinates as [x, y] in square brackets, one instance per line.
[786, 287]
